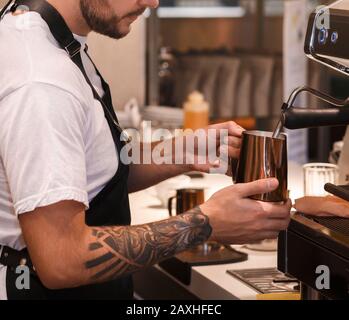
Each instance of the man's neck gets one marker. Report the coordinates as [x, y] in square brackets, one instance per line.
[71, 12]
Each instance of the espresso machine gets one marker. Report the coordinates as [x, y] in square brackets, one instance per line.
[314, 249]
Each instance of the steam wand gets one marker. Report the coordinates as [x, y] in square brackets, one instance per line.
[296, 118]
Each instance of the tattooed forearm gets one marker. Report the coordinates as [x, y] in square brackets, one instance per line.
[123, 250]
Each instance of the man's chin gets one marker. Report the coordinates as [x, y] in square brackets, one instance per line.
[125, 32]
[118, 33]
[122, 31]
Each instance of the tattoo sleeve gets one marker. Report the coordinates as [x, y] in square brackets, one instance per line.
[119, 251]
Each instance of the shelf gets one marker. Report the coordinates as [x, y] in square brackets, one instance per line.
[201, 12]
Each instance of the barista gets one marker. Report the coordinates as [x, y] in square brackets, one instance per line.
[64, 209]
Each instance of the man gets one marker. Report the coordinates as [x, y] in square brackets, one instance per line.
[64, 190]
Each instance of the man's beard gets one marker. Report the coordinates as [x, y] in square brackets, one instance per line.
[99, 17]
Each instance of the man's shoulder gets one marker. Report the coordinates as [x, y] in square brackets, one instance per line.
[33, 56]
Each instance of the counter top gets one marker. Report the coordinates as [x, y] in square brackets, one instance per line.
[213, 282]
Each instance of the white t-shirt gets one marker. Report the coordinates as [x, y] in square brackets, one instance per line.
[55, 143]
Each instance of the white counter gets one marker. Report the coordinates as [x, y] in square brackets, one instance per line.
[213, 282]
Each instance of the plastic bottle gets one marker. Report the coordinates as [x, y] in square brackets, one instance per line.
[196, 112]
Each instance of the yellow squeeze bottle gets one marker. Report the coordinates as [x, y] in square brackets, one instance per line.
[196, 112]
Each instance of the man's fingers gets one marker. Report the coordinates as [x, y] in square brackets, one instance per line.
[233, 153]
[233, 128]
[225, 152]
[267, 236]
[276, 211]
[276, 224]
[256, 187]
[233, 142]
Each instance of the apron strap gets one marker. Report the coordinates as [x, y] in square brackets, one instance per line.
[56, 23]
[5, 8]
[66, 40]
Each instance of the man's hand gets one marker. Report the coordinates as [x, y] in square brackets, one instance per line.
[211, 139]
[236, 219]
[234, 137]
[204, 151]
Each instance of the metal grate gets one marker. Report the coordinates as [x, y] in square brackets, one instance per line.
[339, 225]
[266, 280]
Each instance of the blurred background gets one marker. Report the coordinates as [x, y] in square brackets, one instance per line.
[237, 54]
[233, 52]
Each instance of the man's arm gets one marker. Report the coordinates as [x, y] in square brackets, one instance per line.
[66, 253]
[145, 174]
[180, 155]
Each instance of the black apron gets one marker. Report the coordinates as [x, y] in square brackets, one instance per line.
[111, 206]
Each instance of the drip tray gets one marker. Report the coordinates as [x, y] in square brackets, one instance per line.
[267, 280]
[209, 253]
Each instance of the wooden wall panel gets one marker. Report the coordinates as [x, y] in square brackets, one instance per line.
[185, 34]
